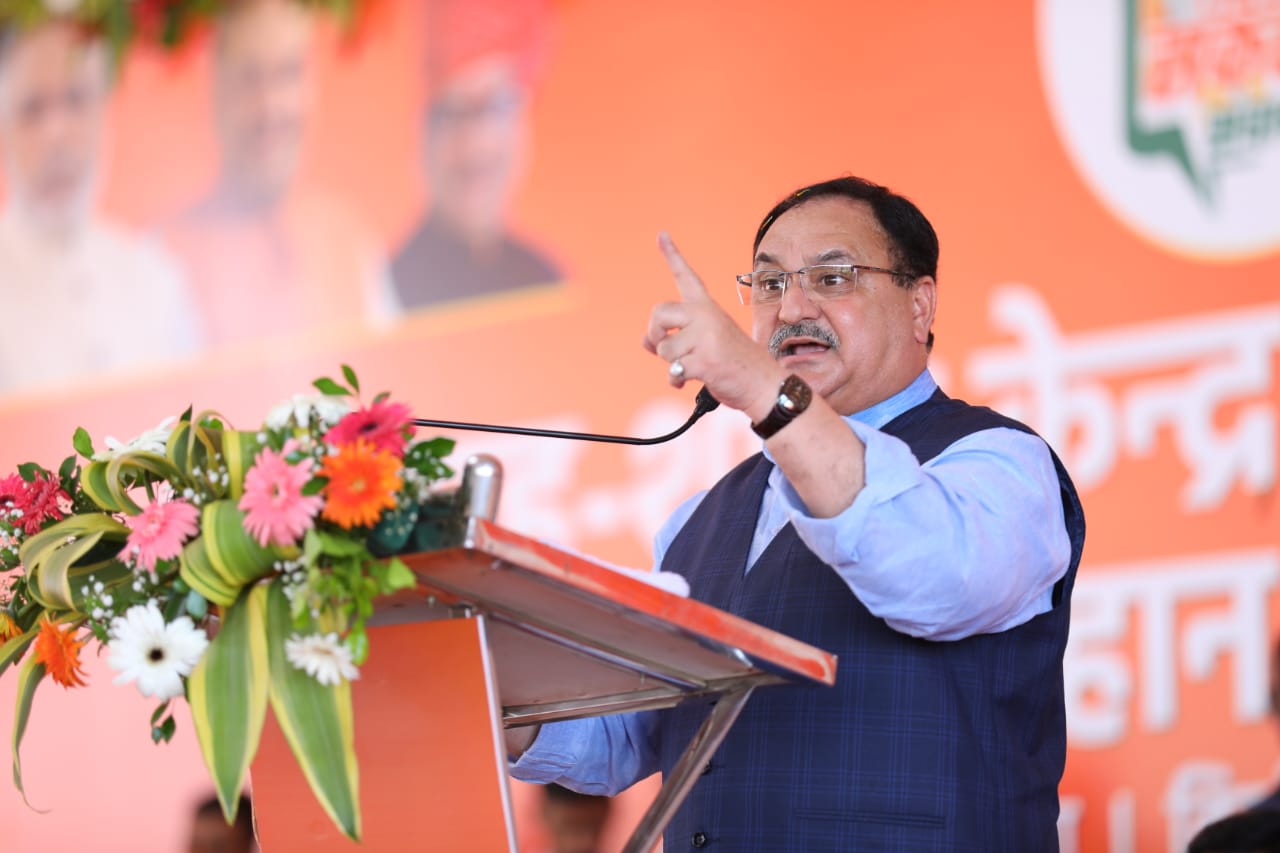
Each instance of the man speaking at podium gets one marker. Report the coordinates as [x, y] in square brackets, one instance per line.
[930, 544]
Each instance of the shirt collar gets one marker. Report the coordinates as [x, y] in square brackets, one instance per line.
[920, 389]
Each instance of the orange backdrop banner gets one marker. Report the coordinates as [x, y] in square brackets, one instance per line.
[461, 200]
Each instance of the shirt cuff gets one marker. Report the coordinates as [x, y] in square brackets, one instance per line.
[553, 753]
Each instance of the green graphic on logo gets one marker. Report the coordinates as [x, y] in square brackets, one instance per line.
[1167, 140]
[1238, 119]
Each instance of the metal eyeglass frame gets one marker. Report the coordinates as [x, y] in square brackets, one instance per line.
[747, 289]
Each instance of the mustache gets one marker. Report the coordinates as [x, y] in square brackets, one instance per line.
[807, 329]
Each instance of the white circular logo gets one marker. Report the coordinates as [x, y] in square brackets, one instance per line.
[1170, 109]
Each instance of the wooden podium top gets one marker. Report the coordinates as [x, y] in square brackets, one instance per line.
[573, 638]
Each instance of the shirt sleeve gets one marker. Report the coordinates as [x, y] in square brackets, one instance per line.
[971, 542]
[598, 755]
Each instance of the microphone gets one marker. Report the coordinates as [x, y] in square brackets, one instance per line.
[703, 404]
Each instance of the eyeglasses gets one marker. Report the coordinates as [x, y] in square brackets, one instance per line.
[822, 281]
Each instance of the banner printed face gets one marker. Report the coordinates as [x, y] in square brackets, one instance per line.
[1118, 295]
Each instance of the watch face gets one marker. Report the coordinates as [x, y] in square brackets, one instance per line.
[795, 395]
[793, 398]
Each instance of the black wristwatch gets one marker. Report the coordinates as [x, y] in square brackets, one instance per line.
[794, 396]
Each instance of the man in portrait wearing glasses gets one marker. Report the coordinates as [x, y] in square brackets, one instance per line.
[930, 544]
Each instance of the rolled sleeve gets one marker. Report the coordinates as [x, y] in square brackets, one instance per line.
[971, 542]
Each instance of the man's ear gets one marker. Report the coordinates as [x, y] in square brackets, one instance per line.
[924, 304]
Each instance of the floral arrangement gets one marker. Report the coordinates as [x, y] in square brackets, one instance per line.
[164, 22]
[233, 568]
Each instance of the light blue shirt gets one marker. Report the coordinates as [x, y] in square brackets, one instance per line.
[971, 542]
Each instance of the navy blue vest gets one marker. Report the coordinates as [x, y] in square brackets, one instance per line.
[920, 747]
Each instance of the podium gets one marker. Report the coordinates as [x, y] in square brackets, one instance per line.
[505, 631]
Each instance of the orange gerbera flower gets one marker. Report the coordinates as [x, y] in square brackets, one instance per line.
[59, 651]
[363, 482]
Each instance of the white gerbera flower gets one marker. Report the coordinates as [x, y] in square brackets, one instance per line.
[151, 441]
[325, 659]
[154, 653]
[301, 409]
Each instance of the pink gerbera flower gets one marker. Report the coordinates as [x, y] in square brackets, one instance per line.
[384, 425]
[159, 531]
[276, 511]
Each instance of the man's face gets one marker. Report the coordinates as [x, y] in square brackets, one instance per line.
[878, 330]
[51, 102]
[263, 95]
[476, 145]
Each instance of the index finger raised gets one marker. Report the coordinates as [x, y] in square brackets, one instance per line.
[687, 282]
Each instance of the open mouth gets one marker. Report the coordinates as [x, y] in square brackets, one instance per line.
[802, 347]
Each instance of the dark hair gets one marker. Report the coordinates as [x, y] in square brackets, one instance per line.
[1246, 832]
[913, 244]
[211, 807]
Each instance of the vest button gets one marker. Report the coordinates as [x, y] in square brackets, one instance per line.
[699, 839]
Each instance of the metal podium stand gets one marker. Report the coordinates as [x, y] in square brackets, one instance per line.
[568, 638]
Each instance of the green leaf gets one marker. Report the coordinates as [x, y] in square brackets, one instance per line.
[28, 471]
[198, 572]
[56, 567]
[66, 469]
[328, 386]
[441, 446]
[339, 545]
[29, 677]
[316, 721]
[107, 482]
[358, 642]
[426, 457]
[163, 733]
[159, 711]
[225, 557]
[399, 576]
[14, 647]
[82, 443]
[238, 451]
[193, 446]
[315, 486]
[350, 376]
[93, 482]
[174, 607]
[227, 692]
